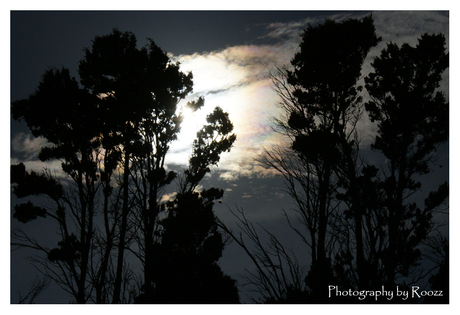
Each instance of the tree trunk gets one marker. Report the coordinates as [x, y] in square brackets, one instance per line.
[124, 222]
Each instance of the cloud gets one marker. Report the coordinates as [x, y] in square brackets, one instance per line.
[168, 197]
[237, 79]
[406, 26]
[286, 30]
[27, 145]
[38, 166]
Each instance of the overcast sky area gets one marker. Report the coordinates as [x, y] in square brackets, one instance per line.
[230, 55]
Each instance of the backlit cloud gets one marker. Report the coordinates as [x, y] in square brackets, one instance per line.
[236, 79]
[250, 104]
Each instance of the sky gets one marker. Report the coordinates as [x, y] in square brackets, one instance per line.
[230, 54]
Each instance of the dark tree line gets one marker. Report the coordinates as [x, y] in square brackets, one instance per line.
[112, 132]
[363, 223]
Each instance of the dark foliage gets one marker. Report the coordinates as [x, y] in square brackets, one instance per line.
[27, 184]
[326, 105]
[26, 212]
[365, 224]
[185, 266]
[412, 121]
[112, 135]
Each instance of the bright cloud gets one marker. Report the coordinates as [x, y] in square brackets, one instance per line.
[168, 197]
[236, 79]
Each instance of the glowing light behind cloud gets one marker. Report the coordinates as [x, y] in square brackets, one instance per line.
[236, 79]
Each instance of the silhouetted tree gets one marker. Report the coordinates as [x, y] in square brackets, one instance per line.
[116, 70]
[143, 88]
[188, 245]
[321, 100]
[369, 192]
[66, 116]
[112, 137]
[347, 205]
[185, 266]
[412, 120]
